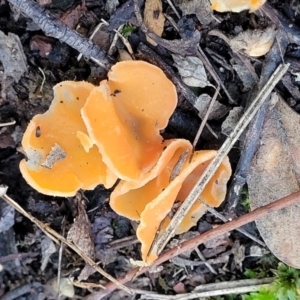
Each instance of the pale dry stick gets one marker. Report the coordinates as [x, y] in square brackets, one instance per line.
[91, 37]
[224, 150]
[114, 41]
[204, 120]
[7, 124]
[125, 42]
[44, 79]
[56, 237]
[174, 8]
[231, 287]
[213, 73]
[60, 253]
[200, 255]
[200, 239]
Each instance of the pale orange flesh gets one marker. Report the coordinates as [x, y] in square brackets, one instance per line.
[151, 199]
[236, 5]
[158, 208]
[125, 114]
[60, 125]
[129, 198]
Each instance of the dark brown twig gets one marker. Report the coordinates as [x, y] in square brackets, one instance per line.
[57, 29]
[195, 242]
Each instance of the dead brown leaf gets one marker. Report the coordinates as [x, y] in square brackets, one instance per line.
[154, 18]
[71, 17]
[12, 56]
[275, 173]
[201, 8]
[253, 42]
[81, 236]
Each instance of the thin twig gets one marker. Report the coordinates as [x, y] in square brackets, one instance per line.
[204, 120]
[207, 264]
[43, 81]
[213, 73]
[241, 230]
[7, 124]
[60, 253]
[200, 239]
[57, 29]
[56, 237]
[224, 150]
[214, 290]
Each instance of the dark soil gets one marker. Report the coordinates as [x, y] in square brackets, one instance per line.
[21, 253]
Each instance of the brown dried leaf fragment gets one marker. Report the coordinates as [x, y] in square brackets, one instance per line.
[154, 18]
[275, 173]
[81, 236]
[255, 43]
[201, 8]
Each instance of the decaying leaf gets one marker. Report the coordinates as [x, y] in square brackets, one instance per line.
[7, 215]
[253, 42]
[12, 56]
[275, 173]
[232, 119]
[238, 252]
[48, 248]
[244, 74]
[65, 288]
[201, 8]
[191, 70]
[80, 234]
[154, 18]
[218, 110]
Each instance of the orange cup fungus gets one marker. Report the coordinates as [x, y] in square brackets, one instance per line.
[151, 202]
[55, 144]
[95, 135]
[236, 5]
[125, 114]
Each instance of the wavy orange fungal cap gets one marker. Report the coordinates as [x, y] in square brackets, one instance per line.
[125, 114]
[130, 198]
[61, 158]
[157, 210]
[236, 5]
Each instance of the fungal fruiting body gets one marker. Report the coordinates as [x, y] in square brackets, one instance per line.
[57, 161]
[152, 202]
[95, 135]
[125, 114]
[236, 5]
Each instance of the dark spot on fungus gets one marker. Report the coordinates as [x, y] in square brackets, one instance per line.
[115, 93]
[164, 147]
[217, 182]
[61, 101]
[38, 132]
[77, 98]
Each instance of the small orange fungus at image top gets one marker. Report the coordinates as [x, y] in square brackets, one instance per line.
[236, 5]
